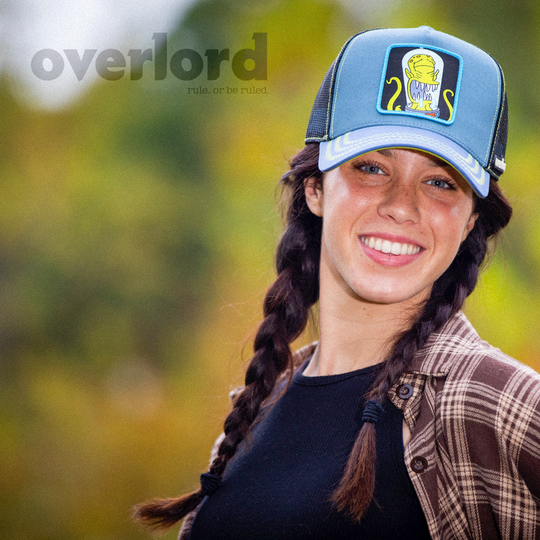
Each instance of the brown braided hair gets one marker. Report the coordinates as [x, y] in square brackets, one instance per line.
[286, 310]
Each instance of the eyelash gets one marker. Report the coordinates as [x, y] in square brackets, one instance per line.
[362, 165]
[450, 184]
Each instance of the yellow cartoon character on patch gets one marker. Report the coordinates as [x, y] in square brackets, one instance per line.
[422, 83]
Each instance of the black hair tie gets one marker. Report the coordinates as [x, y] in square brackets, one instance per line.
[210, 483]
[372, 411]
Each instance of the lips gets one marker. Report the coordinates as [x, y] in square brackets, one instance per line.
[390, 248]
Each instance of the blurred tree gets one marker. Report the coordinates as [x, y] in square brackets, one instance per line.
[136, 237]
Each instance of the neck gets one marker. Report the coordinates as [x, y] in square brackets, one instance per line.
[355, 333]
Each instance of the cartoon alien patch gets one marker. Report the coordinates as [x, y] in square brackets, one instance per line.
[420, 81]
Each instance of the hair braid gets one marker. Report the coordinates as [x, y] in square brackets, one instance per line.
[286, 311]
[448, 294]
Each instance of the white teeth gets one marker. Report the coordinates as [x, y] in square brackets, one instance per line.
[395, 248]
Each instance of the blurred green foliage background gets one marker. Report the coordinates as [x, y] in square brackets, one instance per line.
[137, 230]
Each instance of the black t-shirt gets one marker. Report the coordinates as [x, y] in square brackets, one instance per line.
[278, 485]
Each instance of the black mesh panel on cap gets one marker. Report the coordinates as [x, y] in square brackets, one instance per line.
[317, 129]
[319, 121]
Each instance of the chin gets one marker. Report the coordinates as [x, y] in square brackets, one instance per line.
[393, 295]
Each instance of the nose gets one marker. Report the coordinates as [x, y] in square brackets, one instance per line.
[400, 202]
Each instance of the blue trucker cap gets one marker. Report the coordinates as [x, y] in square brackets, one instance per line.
[414, 88]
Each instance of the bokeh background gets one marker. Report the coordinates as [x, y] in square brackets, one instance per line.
[137, 229]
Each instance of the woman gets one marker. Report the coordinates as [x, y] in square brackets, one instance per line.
[399, 422]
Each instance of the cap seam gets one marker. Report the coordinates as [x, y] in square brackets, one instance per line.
[329, 108]
[495, 118]
[502, 103]
[335, 93]
[329, 104]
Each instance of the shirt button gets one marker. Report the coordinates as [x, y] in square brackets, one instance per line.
[405, 391]
[418, 464]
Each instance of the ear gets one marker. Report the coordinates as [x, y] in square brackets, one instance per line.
[314, 195]
[469, 227]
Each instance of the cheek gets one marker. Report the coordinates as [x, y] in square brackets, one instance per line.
[451, 226]
[339, 208]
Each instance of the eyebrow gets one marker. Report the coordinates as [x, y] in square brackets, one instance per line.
[435, 161]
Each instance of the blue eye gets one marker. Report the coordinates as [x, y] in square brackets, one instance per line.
[372, 169]
[369, 168]
[440, 183]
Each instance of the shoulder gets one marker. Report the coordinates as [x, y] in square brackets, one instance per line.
[474, 363]
[488, 368]
[457, 353]
[482, 385]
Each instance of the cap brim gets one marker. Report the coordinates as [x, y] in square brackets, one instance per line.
[345, 147]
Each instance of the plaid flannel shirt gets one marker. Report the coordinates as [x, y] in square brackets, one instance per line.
[474, 454]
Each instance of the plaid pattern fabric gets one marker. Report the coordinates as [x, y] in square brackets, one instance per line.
[474, 454]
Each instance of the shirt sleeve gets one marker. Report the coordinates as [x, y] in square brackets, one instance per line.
[500, 453]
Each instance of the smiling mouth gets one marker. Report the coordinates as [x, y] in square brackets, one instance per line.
[390, 248]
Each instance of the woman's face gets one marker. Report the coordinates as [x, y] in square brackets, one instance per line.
[393, 221]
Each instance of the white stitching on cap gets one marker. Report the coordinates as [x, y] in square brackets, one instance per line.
[337, 82]
[328, 106]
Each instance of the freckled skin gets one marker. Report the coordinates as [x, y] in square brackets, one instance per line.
[401, 195]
